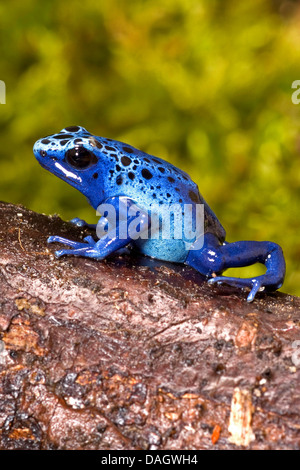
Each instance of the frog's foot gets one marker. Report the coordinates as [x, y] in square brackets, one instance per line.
[255, 284]
[215, 258]
[82, 223]
[245, 253]
[79, 248]
[111, 241]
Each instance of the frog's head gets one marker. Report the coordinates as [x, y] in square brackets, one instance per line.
[73, 155]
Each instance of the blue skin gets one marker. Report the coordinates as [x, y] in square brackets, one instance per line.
[106, 171]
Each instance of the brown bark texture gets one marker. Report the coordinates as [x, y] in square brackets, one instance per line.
[132, 353]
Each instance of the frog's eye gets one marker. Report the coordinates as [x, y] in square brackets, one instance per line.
[80, 158]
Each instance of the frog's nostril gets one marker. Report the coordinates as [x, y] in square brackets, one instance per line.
[43, 153]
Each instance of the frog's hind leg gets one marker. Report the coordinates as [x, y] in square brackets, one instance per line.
[217, 258]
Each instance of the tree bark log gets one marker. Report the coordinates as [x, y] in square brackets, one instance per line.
[132, 353]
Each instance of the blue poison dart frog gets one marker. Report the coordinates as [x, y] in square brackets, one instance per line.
[111, 172]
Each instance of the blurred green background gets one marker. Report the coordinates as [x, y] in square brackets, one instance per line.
[203, 84]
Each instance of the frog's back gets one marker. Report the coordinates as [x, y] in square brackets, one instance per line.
[145, 176]
[150, 180]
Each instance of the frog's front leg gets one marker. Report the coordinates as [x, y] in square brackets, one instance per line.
[215, 258]
[117, 236]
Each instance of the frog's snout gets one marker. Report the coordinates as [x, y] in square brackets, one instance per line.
[38, 150]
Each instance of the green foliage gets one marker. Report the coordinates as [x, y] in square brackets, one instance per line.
[203, 84]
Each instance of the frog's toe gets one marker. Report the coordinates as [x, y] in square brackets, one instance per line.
[54, 238]
[65, 241]
[257, 285]
[232, 281]
[78, 222]
[90, 240]
[254, 284]
[82, 223]
[58, 239]
[69, 251]
[60, 253]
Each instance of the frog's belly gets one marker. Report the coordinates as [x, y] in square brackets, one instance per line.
[171, 237]
[167, 250]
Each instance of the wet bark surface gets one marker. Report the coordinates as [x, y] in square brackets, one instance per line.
[132, 353]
